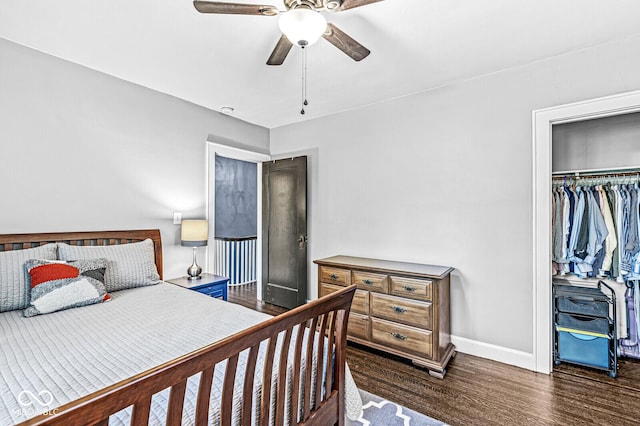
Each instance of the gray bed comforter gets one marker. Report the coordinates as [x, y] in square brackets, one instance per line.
[49, 360]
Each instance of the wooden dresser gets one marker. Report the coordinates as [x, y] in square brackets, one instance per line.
[400, 308]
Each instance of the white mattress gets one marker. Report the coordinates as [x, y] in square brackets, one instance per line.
[72, 353]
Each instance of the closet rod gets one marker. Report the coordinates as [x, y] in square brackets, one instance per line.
[578, 176]
[616, 171]
[598, 178]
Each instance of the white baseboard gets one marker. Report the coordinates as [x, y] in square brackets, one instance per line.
[494, 352]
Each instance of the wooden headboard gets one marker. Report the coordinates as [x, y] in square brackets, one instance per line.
[92, 238]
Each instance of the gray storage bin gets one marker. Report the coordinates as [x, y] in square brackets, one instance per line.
[581, 300]
[583, 305]
[581, 323]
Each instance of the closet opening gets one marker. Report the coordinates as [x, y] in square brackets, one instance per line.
[595, 236]
[584, 114]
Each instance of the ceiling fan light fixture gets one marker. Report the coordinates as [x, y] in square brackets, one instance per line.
[332, 5]
[302, 26]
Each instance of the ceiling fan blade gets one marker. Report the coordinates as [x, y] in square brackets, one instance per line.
[342, 41]
[235, 8]
[350, 4]
[280, 52]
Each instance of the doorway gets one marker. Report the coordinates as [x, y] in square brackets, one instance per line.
[215, 262]
[236, 214]
[543, 120]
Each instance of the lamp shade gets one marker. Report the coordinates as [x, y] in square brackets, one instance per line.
[302, 26]
[195, 233]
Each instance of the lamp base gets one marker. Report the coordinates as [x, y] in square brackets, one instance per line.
[194, 270]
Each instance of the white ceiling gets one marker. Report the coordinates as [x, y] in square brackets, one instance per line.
[219, 60]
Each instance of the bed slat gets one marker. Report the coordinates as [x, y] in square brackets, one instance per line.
[330, 343]
[295, 392]
[308, 367]
[226, 407]
[281, 395]
[204, 396]
[176, 404]
[267, 373]
[140, 415]
[247, 392]
[342, 317]
[319, 369]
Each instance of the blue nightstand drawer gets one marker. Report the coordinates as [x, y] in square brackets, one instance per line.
[218, 291]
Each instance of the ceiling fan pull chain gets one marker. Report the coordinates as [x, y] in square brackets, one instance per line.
[304, 80]
[304, 53]
[305, 77]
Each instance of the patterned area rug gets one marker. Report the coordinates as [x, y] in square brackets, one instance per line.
[380, 412]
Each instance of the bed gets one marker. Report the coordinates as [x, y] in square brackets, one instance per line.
[161, 354]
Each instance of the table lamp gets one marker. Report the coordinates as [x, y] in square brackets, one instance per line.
[195, 233]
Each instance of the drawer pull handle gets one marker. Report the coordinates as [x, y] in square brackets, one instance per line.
[399, 309]
[409, 288]
[333, 276]
[367, 282]
[398, 335]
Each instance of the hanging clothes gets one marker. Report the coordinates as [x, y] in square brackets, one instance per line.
[630, 346]
[611, 242]
[596, 230]
[596, 234]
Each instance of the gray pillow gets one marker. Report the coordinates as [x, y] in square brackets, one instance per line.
[13, 294]
[130, 265]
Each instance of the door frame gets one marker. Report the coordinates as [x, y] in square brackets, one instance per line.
[214, 148]
[542, 121]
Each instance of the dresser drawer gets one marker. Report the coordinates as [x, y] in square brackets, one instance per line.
[369, 281]
[411, 312]
[410, 287]
[359, 326]
[360, 302]
[402, 337]
[335, 275]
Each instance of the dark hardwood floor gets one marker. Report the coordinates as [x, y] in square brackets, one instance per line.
[477, 391]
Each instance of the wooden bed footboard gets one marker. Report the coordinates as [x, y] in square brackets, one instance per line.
[328, 313]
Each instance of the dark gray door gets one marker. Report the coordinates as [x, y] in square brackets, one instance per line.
[284, 232]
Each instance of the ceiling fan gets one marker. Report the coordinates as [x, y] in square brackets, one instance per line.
[301, 23]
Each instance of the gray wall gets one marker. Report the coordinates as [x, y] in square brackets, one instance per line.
[605, 143]
[445, 177]
[82, 150]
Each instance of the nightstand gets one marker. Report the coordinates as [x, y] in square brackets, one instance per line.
[209, 284]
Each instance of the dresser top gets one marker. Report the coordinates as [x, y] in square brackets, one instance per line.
[387, 266]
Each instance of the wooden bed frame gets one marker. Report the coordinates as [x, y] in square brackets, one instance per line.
[329, 313]
[93, 238]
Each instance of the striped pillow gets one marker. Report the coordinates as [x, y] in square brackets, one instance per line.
[55, 286]
[13, 294]
[130, 265]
